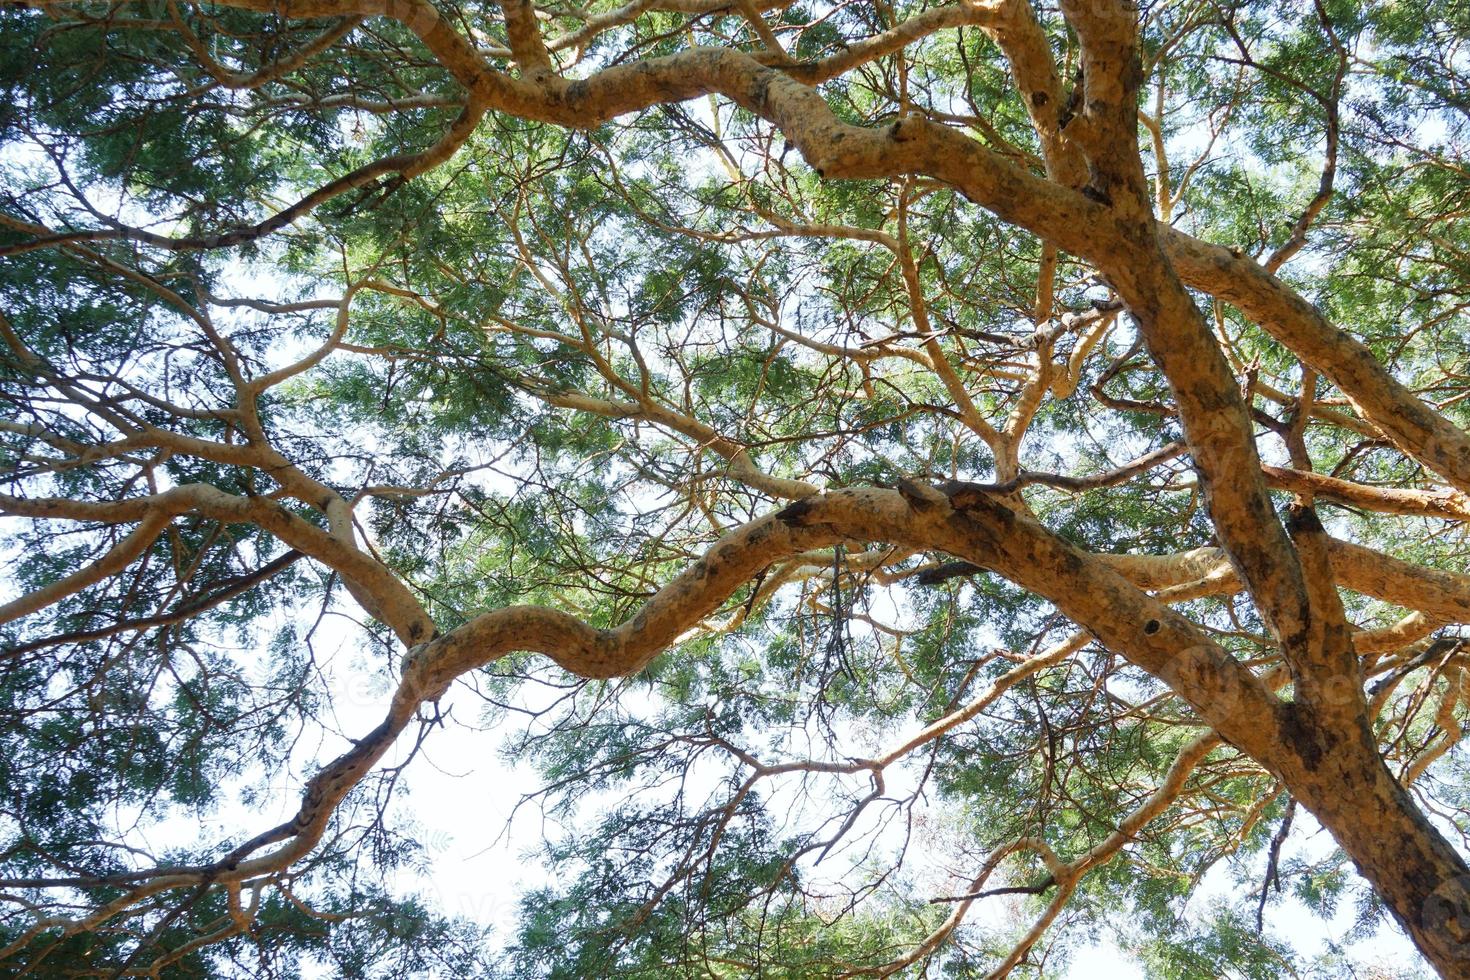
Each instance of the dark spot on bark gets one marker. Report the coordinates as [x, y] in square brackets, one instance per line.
[1135, 74]
[1039, 99]
[1301, 519]
[1302, 733]
[913, 494]
[760, 92]
[1098, 195]
[963, 495]
[1151, 627]
[949, 570]
[1295, 642]
[794, 514]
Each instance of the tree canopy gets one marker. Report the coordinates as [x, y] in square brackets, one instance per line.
[922, 482]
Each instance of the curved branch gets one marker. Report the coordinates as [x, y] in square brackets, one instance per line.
[118, 557]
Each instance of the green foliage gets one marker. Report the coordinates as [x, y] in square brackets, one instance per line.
[556, 344]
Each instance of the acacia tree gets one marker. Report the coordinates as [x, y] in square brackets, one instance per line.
[1033, 433]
